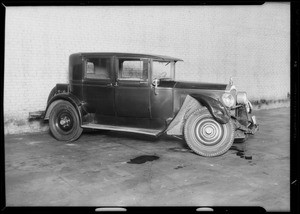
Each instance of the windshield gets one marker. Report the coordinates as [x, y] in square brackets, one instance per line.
[163, 69]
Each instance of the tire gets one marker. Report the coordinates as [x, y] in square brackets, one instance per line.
[205, 136]
[64, 122]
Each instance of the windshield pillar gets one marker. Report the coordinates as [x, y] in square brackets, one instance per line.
[172, 70]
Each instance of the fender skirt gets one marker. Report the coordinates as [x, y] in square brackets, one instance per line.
[190, 104]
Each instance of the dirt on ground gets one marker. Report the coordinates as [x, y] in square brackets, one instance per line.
[121, 169]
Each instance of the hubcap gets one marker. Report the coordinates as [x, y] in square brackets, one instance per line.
[208, 131]
[64, 121]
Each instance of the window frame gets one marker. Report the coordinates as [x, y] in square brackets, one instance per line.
[172, 68]
[140, 81]
[111, 71]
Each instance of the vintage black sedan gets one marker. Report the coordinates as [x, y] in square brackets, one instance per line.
[138, 93]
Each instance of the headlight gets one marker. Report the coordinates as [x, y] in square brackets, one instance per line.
[241, 98]
[228, 99]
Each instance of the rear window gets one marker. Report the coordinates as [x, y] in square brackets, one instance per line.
[98, 68]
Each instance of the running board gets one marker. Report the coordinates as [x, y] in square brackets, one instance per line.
[152, 132]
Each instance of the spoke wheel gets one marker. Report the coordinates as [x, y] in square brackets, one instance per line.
[205, 136]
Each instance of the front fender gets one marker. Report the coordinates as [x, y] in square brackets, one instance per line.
[190, 104]
[68, 97]
[215, 107]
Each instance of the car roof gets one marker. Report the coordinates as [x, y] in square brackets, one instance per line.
[152, 56]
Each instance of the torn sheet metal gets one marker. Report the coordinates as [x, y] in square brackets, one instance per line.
[189, 105]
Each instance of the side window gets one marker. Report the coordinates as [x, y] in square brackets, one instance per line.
[133, 69]
[162, 69]
[98, 68]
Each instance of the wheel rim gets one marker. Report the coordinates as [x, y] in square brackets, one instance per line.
[208, 131]
[64, 122]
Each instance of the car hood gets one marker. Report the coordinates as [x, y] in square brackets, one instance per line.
[192, 85]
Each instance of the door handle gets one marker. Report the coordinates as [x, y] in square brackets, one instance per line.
[110, 84]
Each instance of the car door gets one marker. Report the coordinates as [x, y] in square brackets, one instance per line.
[98, 88]
[132, 89]
[161, 96]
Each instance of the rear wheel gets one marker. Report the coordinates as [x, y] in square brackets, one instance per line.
[64, 122]
[205, 136]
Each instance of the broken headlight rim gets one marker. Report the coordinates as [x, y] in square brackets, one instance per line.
[228, 100]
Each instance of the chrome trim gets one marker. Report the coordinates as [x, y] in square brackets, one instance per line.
[229, 88]
[254, 120]
[250, 105]
[152, 132]
[230, 85]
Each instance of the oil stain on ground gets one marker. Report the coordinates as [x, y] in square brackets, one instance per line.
[143, 159]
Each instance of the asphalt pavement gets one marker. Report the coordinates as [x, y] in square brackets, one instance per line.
[105, 168]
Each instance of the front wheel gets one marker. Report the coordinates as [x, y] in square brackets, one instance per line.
[205, 136]
[64, 122]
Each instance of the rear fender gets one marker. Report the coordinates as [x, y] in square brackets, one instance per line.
[58, 88]
[67, 97]
[190, 104]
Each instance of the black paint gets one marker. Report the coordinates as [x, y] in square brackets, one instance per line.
[143, 159]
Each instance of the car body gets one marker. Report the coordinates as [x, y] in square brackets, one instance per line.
[138, 93]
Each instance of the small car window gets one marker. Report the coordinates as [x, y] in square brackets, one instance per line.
[98, 68]
[133, 69]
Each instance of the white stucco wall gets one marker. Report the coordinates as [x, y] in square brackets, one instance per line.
[251, 43]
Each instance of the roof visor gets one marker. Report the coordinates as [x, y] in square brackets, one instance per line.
[152, 56]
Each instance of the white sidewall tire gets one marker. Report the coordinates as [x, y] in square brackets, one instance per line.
[205, 136]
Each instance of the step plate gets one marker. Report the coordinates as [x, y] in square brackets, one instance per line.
[152, 132]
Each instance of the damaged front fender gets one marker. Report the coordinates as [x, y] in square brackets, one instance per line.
[190, 104]
[215, 107]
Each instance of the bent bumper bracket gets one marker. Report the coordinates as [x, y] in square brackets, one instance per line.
[252, 129]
